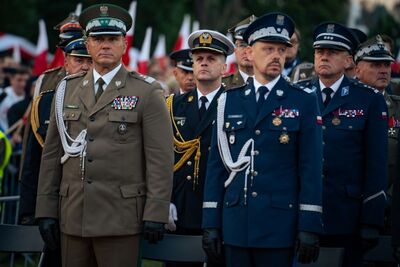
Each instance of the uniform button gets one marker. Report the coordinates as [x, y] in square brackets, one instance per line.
[323, 127]
[350, 127]
[290, 205]
[189, 177]
[91, 139]
[323, 176]
[73, 115]
[89, 159]
[189, 163]
[254, 194]
[257, 132]
[255, 173]
[91, 118]
[256, 152]
[209, 148]
[89, 181]
[323, 160]
[177, 134]
[323, 143]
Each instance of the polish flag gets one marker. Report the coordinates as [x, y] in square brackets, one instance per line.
[58, 59]
[144, 56]
[17, 53]
[195, 26]
[42, 48]
[231, 59]
[159, 53]
[129, 34]
[184, 32]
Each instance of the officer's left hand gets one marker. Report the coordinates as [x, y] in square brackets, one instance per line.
[369, 237]
[153, 231]
[307, 247]
[396, 254]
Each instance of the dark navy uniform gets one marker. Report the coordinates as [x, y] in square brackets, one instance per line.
[396, 209]
[187, 193]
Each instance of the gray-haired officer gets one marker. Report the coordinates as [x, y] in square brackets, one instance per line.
[354, 119]
[263, 190]
[193, 115]
[183, 70]
[244, 64]
[373, 60]
[106, 170]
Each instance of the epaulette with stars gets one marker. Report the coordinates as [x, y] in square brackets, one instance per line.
[52, 70]
[241, 86]
[142, 77]
[363, 85]
[47, 92]
[76, 75]
[303, 87]
[395, 97]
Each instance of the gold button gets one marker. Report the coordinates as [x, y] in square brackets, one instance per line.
[254, 194]
[257, 132]
[73, 115]
[189, 163]
[189, 177]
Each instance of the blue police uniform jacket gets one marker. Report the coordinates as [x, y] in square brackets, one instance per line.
[354, 157]
[187, 194]
[284, 193]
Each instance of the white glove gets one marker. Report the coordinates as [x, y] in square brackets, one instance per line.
[173, 216]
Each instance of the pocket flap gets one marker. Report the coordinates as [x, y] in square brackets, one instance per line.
[284, 124]
[64, 190]
[283, 202]
[351, 124]
[233, 124]
[122, 116]
[72, 115]
[133, 190]
[354, 191]
[231, 200]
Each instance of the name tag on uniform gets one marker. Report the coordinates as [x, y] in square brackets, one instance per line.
[125, 102]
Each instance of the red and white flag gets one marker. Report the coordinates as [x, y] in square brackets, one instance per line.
[195, 25]
[42, 48]
[144, 56]
[129, 34]
[231, 60]
[184, 32]
[17, 53]
[58, 59]
[160, 52]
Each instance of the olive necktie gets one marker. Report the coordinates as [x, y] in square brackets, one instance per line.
[100, 83]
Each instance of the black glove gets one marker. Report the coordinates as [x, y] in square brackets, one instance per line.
[369, 237]
[153, 232]
[307, 247]
[212, 245]
[396, 254]
[50, 232]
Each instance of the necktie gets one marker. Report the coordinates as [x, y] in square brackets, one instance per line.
[328, 92]
[100, 83]
[249, 80]
[262, 91]
[202, 109]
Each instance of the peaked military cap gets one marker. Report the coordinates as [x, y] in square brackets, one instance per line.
[76, 48]
[210, 40]
[105, 19]
[272, 27]
[361, 36]
[373, 49]
[238, 30]
[182, 59]
[335, 36]
[69, 29]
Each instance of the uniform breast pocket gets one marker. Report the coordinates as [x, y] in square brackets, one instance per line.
[123, 123]
[233, 128]
[71, 118]
[349, 124]
[284, 130]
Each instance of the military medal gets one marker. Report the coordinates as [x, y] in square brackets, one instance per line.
[190, 98]
[247, 92]
[392, 132]
[336, 121]
[284, 138]
[122, 128]
[276, 121]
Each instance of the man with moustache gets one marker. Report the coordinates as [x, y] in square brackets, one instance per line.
[263, 189]
[354, 119]
[106, 170]
[245, 66]
[193, 115]
[183, 70]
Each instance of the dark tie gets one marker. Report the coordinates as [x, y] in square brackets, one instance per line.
[328, 92]
[202, 109]
[249, 80]
[262, 90]
[100, 83]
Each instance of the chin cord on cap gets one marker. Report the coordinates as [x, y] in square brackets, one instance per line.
[243, 161]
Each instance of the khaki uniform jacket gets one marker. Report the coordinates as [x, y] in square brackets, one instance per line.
[128, 165]
[393, 103]
[233, 81]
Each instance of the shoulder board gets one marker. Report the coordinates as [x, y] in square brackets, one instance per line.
[286, 78]
[234, 87]
[47, 91]
[363, 85]
[227, 76]
[76, 75]
[306, 81]
[303, 87]
[395, 97]
[142, 77]
[52, 70]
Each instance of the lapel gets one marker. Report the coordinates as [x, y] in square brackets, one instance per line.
[339, 98]
[315, 86]
[112, 90]
[191, 109]
[249, 103]
[389, 104]
[273, 100]
[238, 79]
[210, 114]
[86, 92]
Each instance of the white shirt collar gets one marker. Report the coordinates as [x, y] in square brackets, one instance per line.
[244, 75]
[106, 77]
[269, 85]
[210, 96]
[334, 86]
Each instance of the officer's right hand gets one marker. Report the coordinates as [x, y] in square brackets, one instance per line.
[50, 231]
[173, 216]
[396, 254]
[212, 245]
[307, 247]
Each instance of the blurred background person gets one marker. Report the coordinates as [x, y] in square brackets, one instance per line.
[183, 71]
